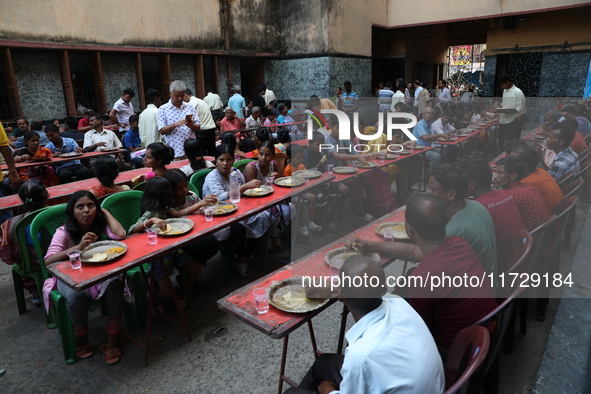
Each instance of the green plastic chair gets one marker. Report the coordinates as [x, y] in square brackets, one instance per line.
[241, 164]
[193, 188]
[140, 186]
[198, 179]
[25, 270]
[45, 224]
[125, 207]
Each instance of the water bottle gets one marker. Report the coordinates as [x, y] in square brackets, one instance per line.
[235, 186]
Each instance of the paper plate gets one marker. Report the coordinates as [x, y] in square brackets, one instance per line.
[222, 208]
[337, 257]
[396, 227]
[309, 174]
[290, 181]
[177, 227]
[288, 295]
[345, 170]
[111, 249]
[259, 192]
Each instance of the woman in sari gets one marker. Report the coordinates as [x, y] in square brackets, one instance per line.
[32, 151]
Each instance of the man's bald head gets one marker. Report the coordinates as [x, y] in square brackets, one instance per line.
[427, 216]
[365, 286]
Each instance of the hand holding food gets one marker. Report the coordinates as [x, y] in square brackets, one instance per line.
[86, 240]
[210, 199]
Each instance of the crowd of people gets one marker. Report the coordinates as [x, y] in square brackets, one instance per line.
[455, 226]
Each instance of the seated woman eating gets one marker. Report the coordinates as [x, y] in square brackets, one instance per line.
[87, 222]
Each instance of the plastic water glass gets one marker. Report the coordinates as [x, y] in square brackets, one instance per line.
[269, 181]
[152, 236]
[74, 256]
[354, 163]
[389, 236]
[208, 211]
[261, 300]
[382, 156]
[330, 167]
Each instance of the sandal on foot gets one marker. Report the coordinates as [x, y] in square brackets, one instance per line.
[243, 270]
[112, 355]
[84, 351]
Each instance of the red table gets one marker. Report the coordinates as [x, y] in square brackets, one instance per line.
[63, 191]
[460, 140]
[139, 252]
[532, 137]
[278, 324]
[55, 161]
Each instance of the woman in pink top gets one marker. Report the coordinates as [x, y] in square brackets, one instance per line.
[87, 223]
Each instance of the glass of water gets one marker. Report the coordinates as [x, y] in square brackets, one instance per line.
[74, 256]
[354, 163]
[389, 236]
[269, 181]
[329, 168]
[208, 211]
[261, 300]
[152, 235]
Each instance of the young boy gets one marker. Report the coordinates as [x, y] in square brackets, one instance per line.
[60, 145]
[132, 141]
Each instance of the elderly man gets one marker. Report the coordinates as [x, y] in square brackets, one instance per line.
[446, 309]
[237, 103]
[510, 124]
[390, 347]
[177, 120]
[22, 127]
[122, 110]
[148, 122]
[230, 122]
[425, 136]
[566, 160]
[37, 127]
[206, 135]
[214, 102]
[254, 120]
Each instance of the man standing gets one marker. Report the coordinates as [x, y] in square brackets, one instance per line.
[60, 145]
[418, 89]
[444, 93]
[424, 97]
[269, 95]
[206, 135]
[510, 124]
[122, 110]
[237, 102]
[148, 122]
[399, 96]
[390, 347]
[177, 120]
[566, 160]
[214, 102]
[350, 99]
[385, 97]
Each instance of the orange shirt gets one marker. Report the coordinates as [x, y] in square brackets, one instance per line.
[288, 170]
[578, 143]
[546, 185]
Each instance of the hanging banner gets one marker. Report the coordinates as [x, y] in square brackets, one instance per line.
[461, 55]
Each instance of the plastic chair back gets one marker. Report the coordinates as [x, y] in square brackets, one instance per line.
[573, 188]
[198, 179]
[241, 164]
[513, 249]
[281, 159]
[565, 180]
[541, 236]
[45, 224]
[193, 188]
[468, 351]
[140, 186]
[124, 206]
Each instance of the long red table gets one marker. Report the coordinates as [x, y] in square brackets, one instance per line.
[459, 140]
[278, 324]
[67, 189]
[56, 161]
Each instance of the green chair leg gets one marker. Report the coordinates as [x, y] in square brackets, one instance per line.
[66, 327]
[19, 291]
[137, 286]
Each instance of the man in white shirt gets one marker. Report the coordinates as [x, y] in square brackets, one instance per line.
[442, 125]
[510, 124]
[254, 120]
[206, 135]
[390, 347]
[237, 102]
[214, 102]
[122, 110]
[399, 96]
[97, 138]
[418, 89]
[269, 95]
[444, 93]
[148, 122]
[177, 120]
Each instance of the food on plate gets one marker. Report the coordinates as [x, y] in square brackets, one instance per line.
[98, 257]
[257, 190]
[115, 250]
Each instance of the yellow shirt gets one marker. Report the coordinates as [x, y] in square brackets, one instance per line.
[3, 142]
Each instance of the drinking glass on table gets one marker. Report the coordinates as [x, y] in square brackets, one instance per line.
[354, 163]
[152, 236]
[208, 211]
[381, 156]
[329, 168]
[389, 236]
[269, 181]
[261, 299]
[74, 256]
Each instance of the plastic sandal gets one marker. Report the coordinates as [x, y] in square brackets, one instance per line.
[84, 351]
[112, 355]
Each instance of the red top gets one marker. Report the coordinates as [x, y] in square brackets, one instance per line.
[449, 309]
[546, 185]
[227, 125]
[531, 204]
[578, 143]
[504, 211]
[83, 122]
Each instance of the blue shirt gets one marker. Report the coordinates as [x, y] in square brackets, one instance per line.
[132, 140]
[68, 146]
[391, 350]
[349, 99]
[237, 103]
[43, 140]
[422, 128]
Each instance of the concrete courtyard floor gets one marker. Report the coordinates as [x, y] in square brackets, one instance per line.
[225, 356]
